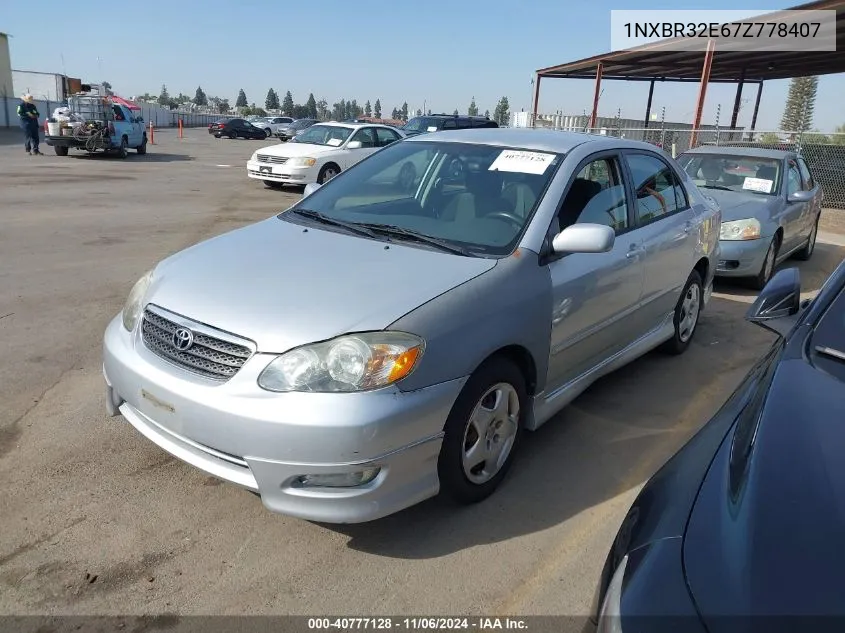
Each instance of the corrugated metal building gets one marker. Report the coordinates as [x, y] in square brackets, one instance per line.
[43, 86]
[6, 85]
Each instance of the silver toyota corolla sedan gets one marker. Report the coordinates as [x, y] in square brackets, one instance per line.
[770, 205]
[393, 333]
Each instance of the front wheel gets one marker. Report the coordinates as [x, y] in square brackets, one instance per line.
[685, 319]
[60, 151]
[123, 150]
[327, 173]
[142, 148]
[482, 432]
[768, 268]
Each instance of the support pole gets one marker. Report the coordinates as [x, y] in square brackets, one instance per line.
[648, 103]
[180, 128]
[152, 134]
[756, 106]
[737, 100]
[595, 113]
[536, 101]
[702, 91]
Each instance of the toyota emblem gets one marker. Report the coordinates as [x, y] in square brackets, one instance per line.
[183, 338]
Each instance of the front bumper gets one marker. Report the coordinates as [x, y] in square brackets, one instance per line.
[265, 441]
[281, 173]
[742, 258]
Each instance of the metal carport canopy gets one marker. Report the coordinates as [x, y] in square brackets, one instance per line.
[663, 61]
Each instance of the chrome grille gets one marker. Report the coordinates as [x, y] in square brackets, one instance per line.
[208, 356]
[267, 158]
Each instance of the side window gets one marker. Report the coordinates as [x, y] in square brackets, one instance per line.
[793, 179]
[385, 136]
[655, 187]
[449, 124]
[464, 123]
[809, 183]
[596, 195]
[366, 136]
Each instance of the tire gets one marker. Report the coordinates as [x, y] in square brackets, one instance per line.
[60, 151]
[807, 252]
[267, 132]
[123, 150]
[768, 268]
[686, 317]
[142, 148]
[272, 184]
[327, 173]
[232, 135]
[467, 478]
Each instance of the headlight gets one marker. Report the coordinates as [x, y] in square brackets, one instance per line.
[302, 161]
[355, 362]
[740, 230]
[610, 617]
[135, 301]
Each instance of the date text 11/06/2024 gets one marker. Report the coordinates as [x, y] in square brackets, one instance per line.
[419, 623]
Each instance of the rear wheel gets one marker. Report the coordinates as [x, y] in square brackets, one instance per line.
[267, 132]
[60, 150]
[482, 432]
[807, 252]
[685, 319]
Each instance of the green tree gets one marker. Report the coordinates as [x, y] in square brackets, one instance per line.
[164, 97]
[322, 109]
[800, 103]
[419, 112]
[377, 109]
[487, 114]
[271, 102]
[815, 138]
[223, 107]
[769, 138]
[472, 110]
[838, 136]
[181, 98]
[287, 104]
[311, 106]
[241, 101]
[200, 97]
[368, 109]
[339, 110]
[502, 113]
[107, 87]
[455, 112]
[405, 111]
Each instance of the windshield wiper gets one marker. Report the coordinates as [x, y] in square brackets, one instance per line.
[416, 236]
[361, 229]
[831, 353]
[716, 187]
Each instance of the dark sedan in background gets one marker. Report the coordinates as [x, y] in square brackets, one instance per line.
[236, 128]
[742, 529]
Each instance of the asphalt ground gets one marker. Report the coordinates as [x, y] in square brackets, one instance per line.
[94, 519]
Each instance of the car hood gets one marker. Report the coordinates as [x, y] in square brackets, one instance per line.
[764, 537]
[282, 284]
[297, 149]
[737, 205]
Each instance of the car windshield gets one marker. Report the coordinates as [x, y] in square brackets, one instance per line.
[332, 135]
[733, 173]
[422, 124]
[476, 198]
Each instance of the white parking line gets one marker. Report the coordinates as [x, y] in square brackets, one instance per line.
[224, 165]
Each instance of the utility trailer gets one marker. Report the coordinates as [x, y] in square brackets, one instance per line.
[97, 124]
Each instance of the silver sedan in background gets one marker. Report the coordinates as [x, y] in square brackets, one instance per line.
[770, 203]
[393, 333]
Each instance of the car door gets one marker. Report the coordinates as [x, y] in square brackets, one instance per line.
[594, 294]
[351, 155]
[812, 209]
[667, 239]
[794, 212]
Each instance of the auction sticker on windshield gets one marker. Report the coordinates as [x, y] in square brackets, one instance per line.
[758, 184]
[334, 142]
[522, 162]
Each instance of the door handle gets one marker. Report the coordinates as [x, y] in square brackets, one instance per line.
[634, 251]
[687, 227]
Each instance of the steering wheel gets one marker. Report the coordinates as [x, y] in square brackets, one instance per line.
[509, 217]
[407, 176]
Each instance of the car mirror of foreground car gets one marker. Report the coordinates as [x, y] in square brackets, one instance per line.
[354, 145]
[584, 238]
[310, 188]
[800, 196]
[779, 303]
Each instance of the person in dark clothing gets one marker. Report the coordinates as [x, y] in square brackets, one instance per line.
[28, 114]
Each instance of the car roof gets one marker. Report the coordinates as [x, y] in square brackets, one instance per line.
[353, 126]
[755, 152]
[530, 138]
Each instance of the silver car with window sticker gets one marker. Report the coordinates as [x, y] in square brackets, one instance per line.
[395, 332]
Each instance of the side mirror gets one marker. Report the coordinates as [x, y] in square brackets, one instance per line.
[354, 145]
[800, 196]
[778, 303]
[584, 238]
[310, 188]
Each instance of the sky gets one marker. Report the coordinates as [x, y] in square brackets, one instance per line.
[436, 55]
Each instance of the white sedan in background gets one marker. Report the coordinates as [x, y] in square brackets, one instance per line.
[320, 153]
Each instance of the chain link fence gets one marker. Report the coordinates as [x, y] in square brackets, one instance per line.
[824, 153]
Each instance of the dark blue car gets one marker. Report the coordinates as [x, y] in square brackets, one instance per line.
[742, 530]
